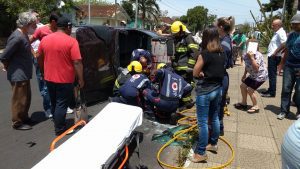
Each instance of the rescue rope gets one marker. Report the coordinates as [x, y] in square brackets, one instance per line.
[178, 136]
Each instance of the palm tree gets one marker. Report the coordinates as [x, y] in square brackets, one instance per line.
[149, 9]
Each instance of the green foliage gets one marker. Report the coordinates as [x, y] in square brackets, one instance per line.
[149, 9]
[11, 8]
[197, 18]
[265, 26]
[128, 7]
[291, 8]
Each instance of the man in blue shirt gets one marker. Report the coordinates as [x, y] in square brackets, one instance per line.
[291, 74]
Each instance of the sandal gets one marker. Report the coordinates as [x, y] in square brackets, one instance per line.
[253, 110]
[240, 106]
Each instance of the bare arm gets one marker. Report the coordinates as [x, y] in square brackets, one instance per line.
[279, 49]
[198, 67]
[79, 72]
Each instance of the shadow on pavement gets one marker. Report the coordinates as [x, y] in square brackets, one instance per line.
[38, 117]
[276, 110]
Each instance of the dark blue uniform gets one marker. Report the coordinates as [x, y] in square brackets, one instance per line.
[130, 91]
[172, 88]
[121, 79]
[138, 53]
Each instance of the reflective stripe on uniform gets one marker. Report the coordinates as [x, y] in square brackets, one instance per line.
[192, 45]
[117, 84]
[181, 68]
[168, 84]
[181, 49]
[191, 61]
[142, 83]
[106, 79]
[186, 99]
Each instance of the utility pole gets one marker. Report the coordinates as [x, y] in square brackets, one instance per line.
[136, 13]
[89, 11]
[283, 10]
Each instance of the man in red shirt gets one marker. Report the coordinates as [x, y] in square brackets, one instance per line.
[62, 61]
[35, 39]
[46, 29]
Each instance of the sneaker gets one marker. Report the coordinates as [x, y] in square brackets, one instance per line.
[267, 95]
[22, 127]
[70, 111]
[281, 116]
[213, 148]
[197, 158]
[48, 114]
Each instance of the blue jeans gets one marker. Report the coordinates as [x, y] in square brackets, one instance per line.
[42, 87]
[225, 85]
[208, 107]
[272, 70]
[291, 77]
[60, 95]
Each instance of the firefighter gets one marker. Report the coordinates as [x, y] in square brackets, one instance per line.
[131, 90]
[144, 57]
[121, 79]
[172, 87]
[186, 54]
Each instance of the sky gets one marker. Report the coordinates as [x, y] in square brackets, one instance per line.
[240, 9]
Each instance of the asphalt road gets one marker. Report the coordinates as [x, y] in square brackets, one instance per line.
[23, 149]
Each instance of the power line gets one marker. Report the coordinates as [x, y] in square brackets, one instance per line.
[171, 7]
[172, 4]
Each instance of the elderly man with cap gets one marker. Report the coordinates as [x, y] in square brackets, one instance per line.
[62, 62]
[291, 74]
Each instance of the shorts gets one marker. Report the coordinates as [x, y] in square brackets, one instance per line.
[253, 84]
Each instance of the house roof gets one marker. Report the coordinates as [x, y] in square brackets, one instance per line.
[167, 20]
[101, 10]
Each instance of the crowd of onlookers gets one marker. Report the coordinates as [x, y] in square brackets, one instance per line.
[202, 66]
[57, 60]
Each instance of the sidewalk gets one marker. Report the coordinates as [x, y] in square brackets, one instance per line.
[256, 138]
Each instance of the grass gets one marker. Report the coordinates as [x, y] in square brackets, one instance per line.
[185, 149]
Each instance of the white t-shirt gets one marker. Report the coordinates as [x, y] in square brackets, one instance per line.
[278, 38]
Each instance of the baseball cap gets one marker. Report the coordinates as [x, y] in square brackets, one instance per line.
[63, 22]
[295, 18]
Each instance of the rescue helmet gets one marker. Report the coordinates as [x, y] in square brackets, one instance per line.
[177, 26]
[161, 65]
[135, 66]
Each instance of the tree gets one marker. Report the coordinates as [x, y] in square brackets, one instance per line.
[128, 7]
[10, 10]
[291, 9]
[149, 9]
[197, 18]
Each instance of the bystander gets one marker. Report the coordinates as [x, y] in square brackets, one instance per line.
[62, 61]
[17, 60]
